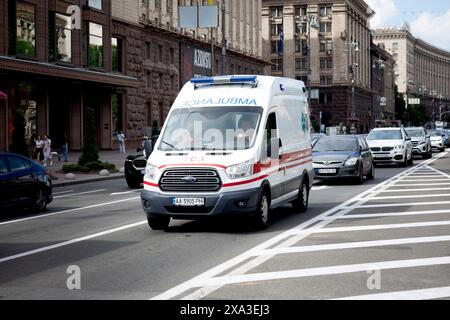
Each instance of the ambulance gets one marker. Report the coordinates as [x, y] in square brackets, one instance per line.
[236, 145]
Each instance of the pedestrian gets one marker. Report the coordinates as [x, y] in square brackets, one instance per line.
[64, 147]
[39, 149]
[144, 138]
[47, 150]
[121, 139]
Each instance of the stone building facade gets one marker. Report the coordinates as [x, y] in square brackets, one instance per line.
[421, 70]
[320, 41]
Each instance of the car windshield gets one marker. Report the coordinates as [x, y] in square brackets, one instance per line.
[435, 133]
[415, 132]
[385, 135]
[335, 144]
[211, 128]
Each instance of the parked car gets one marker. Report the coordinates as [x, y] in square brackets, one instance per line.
[316, 136]
[447, 131]
[390, 146]
[343, 157]
[24, 183]
[135, 164]
[446, 137]
[437, 140]
[421, 141]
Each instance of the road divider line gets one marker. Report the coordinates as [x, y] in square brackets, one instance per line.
[385, 205]
[416, 189]
[418, 180]
[322, 271]
[388, 214]
[421, 294]
[69, 242]
[68, 210]
[61, 192]
[79, 193]
[421, 184]
[354, 245]
[441, 195]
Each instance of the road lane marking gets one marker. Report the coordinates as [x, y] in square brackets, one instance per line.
[385, 205]
[421, 184]
[126, 192]
[441, 195]
[417, 189]
[68, 210]
[353, 245]
[322, 271]
[69, 242]
[227, 265]
[320, 188]
[421, 294]
[387, 214]
[61, 192]
[418, 180]
[79, 193]
[377, 227]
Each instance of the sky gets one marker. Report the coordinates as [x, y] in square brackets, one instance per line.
[429, 20]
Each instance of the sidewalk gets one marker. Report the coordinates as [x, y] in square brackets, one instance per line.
[59, 177]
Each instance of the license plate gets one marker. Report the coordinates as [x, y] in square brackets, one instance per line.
[188, 202]
[327, 170]
[382, 156]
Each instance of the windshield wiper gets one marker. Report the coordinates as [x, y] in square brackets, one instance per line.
[170, 145]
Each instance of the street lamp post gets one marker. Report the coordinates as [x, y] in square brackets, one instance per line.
[224, 41]
[354, 47]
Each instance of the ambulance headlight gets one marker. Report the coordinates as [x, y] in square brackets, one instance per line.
[150, 172]
[240, 170]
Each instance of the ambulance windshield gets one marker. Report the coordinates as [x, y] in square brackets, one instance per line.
[211, 128]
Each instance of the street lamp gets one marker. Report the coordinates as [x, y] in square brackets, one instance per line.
[354, 47]
[379, 63]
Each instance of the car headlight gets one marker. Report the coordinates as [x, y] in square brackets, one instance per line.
[401, 147]
[240, 170]
[351, 162]
[150, 172]
[422, 142]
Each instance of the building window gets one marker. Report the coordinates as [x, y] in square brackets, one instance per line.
[172, 83]
[277, 64]
[302, 78]
[60, 38]
[325, 10]
[275, 46]
[326, 46]
[275, 29]
[169, 6]
[148, 51]
[161, 81]
[300, 11]
[160, 53]
[276, 12]
[117, 55]
[95, 45]
[326, 80]
[25, 40]
[325, 27]
[172, 56]
[96, 4]
[158, 4]
[149, 79]
[301, 64]
[326, 97]
[326, 63]
[395, 46]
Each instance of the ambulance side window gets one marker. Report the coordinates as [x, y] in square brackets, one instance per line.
[270, 133]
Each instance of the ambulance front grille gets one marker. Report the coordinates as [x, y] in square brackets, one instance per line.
[190, 180]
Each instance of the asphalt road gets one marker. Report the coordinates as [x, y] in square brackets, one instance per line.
[395, 226]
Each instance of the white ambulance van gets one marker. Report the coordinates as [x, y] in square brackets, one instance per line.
[231, 145]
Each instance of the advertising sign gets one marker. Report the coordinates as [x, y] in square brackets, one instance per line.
[195, 62]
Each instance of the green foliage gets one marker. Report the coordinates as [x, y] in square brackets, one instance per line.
[400, 105]
[94, 166]
[19, 144]
[418, 115]
[26, 48]
[95, 56]
[90, 150]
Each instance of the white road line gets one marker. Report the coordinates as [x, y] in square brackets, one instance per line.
[421, 184]
[320, 188]
[227, 265]
[126, 192]
[441, 195]
[424, 175]
[66, 243]
[321, 271]
[417, 189]
[353, 245]
[61, 192]
[418, 180]
[78, 193]
[68, 210]
[421, 294]
[377, 227]
[385, 205]
[387, 214]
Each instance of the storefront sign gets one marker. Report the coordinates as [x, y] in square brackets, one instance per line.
[196, 62]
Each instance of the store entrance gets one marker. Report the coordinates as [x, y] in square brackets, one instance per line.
[59, 116]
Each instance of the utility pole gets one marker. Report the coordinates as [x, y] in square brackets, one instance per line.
[224, 41]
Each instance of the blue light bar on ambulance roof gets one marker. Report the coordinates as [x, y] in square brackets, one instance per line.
[224, 80]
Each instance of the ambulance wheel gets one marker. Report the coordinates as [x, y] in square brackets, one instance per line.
[301, 203]
[158, 222]
[261, 217]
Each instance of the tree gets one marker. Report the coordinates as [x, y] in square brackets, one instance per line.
[19, 145]
[400, 105]
[418, 115]
[89, 151]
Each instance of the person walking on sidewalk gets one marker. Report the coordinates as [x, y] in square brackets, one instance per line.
[47, 151]
[64, 147]
[39, 152]
[121, 139]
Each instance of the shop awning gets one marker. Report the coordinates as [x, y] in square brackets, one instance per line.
[52, 70]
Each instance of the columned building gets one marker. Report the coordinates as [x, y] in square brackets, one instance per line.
[421, 70]
[326, 44]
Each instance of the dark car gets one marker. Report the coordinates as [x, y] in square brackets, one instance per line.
[135, 164]
[24, 183]
[343, 157]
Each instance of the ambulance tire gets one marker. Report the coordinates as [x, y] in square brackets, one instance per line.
[158, 222]
[301, 203]
[261, 218]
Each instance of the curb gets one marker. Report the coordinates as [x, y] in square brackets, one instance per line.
[70, 183]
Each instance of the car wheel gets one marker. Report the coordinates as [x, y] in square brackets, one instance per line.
[261, 218]
[371, 174]
[442, 150]
[158, 222]
[411, 161]
[301, 203]
[133, 183]
[40, 200]
[360, 178]
[405, 161]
